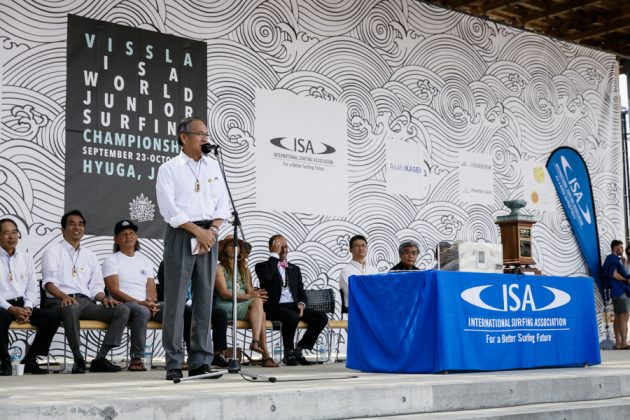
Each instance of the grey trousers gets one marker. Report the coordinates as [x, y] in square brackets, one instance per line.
[117, 318]
[138, 317]
[180, 267]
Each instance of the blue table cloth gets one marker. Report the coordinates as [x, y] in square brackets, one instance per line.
[436, 321]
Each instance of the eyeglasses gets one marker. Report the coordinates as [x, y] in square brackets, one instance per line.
[360, 246]
[8, 233]
[198, 133]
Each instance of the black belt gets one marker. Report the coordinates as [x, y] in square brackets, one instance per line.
[203, 223]
[16, 302]
[78, 295]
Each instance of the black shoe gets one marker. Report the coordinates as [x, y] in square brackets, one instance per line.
[31, 366]
[103, 365]
[5, 368]
[219, 360]
[79, 366]
[290, 360]
[301, 359]
[202, 370]
[172, 374]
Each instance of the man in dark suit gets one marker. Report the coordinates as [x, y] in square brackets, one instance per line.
[287, 301]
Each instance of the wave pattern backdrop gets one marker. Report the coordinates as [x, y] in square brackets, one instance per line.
[407, 71]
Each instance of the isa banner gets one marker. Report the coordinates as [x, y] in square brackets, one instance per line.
[126, 90]
[570, 176]
[507, 321]
[459, 321]
[301, 141]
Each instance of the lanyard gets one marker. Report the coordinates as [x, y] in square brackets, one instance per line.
[10, 270]
[197, 185]
[74, 261]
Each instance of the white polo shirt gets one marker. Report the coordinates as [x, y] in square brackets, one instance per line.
[72, 270]
[21, 282]
[176, 196]
[353, 268]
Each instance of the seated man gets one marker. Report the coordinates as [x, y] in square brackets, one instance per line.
[287, 301]
[74, 282]
[358, 265]
[615, 277]
[128, 279]
[408, 252]
[18, 293]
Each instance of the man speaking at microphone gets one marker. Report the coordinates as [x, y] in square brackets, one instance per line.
[193, 200]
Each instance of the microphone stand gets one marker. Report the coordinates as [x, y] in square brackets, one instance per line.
[234, 366]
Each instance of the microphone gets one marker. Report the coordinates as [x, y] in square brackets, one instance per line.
[207, 148]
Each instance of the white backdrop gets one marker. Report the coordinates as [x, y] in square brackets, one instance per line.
[405, 71]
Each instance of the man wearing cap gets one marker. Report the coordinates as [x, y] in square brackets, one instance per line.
[129, 279]
[74, 284]
[19, 293]
[193, 201]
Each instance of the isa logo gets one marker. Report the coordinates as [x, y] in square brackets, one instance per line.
[515, 297]
[576, 190]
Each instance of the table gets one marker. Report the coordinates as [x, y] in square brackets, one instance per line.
[436, 321]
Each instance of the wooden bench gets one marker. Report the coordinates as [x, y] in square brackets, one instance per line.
[85, 324]
[17, 326]
[333, 324]
[92, 325]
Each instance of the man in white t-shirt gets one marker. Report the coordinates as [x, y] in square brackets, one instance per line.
[129, 278]
[357, 266]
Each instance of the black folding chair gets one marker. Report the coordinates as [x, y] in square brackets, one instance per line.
[323, 300]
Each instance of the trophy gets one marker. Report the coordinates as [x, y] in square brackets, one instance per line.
[516, 237]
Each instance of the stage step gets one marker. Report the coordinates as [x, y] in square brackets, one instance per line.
[328, 392]
[614, 408]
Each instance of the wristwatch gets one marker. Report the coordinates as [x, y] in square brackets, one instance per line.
[214, 229]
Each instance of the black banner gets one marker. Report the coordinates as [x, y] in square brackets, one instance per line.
[126, 90]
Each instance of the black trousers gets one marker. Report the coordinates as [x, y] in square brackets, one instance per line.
[287, 313]
[46, 322]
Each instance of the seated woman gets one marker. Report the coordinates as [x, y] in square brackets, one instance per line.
[249, 300]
